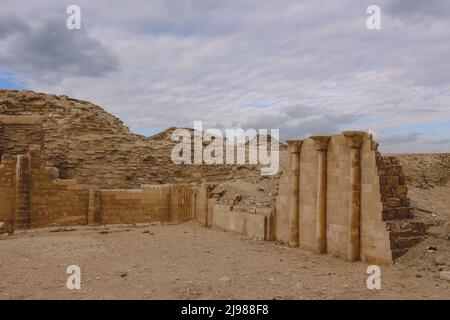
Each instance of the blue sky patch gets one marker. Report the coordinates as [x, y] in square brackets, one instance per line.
[9, 81]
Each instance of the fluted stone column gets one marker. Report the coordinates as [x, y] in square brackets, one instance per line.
[354, 140]
[321, 218]
[294, 197]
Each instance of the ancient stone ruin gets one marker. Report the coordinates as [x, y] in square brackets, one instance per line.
[68, 162]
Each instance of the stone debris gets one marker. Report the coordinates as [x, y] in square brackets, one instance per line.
[426, 170]
[438, 261]
[444, 275]
[62, 229]
[225, 279]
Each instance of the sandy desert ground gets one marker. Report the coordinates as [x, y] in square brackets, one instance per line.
[188, 261]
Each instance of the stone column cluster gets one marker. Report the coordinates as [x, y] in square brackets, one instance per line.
[355, 140]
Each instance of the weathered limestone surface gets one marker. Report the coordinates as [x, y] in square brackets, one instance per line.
[92, 146]
[250, 224]
[354, 140]
[352, 201]
[7, 191]
[203, 204]
[67, 162]
[294, 150]
[33, 196]
[22, 196]
[321, 207]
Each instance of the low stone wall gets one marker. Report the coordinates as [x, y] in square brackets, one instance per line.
[148, 204]
[243, 220]
[32, 196]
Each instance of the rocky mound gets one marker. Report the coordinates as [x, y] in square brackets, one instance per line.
[86, 143]
[426, 170]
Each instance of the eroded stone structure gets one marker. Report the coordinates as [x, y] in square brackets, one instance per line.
[33, 196]
[342, 197]
[66, 163]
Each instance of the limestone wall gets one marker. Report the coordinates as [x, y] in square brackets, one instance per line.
[181, 203]
[7, 189]
[148, 204]
[339, 196]
[243, 220]
[44, 200]
[282, 219]
[203, 205]
[33, 196]
[54, 201]
[375, 243]
[18, 132]
[308, 193]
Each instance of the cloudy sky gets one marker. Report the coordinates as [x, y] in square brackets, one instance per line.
[303, 66]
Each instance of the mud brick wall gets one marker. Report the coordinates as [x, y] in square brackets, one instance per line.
[339, 196]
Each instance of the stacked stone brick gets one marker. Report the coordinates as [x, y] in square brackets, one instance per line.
[397, 210]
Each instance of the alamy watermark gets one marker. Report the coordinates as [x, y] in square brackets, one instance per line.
[74, 280]
[374, 278]
[212, 147]
[73, 21]
[373, 22]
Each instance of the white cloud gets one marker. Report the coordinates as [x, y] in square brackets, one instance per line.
[315, 67]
